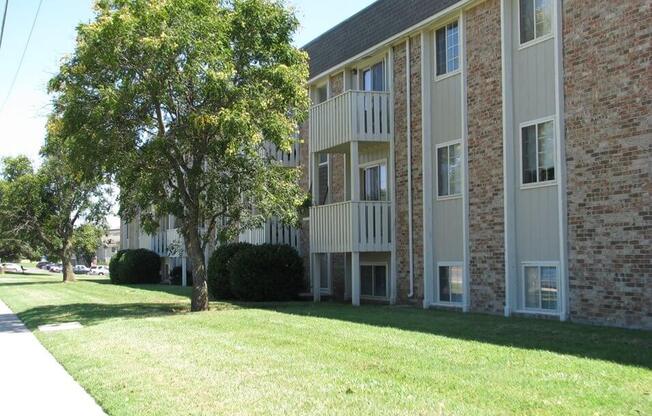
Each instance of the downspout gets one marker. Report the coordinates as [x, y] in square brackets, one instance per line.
[408, 94]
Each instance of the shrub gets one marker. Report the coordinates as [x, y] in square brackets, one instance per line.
[176, 273]
[219, 286]
[266, 273]
[136, 267]
[114, 265]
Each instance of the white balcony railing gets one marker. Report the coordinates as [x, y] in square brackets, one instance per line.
[273, 232]
[351, 226]
[352, 116]
[288, 159]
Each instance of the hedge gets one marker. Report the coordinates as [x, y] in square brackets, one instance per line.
[219, 286]
[176, 274]
[266, 273]
[137, 266]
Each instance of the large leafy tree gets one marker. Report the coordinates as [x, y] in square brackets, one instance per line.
[13, 245]
[175, 99]
[86, 239]
[41, 208]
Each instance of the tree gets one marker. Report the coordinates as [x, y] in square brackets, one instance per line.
[42, 208]
[85, 241]
[13, 246]
[177, 100]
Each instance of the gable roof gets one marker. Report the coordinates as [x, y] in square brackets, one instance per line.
[370, 26]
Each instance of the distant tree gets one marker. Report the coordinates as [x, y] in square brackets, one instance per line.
[43, 208]
[86, 239]
[13, 246]
[176, 99]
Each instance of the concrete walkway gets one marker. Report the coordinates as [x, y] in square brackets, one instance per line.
[32, 382]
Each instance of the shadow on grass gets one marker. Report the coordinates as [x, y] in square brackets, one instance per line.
[93, 313]
[628, 347]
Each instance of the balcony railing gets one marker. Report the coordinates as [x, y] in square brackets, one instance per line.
[289, 159]
[352, 116]
[351, 226]
[273, 232]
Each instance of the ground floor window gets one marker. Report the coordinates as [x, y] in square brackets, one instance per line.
[541, 287]
[449, 279]
[373, 280]
[324, 275]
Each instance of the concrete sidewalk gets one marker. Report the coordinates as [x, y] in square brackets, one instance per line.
[32, 382]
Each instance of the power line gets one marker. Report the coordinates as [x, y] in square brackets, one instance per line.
[4, 19]
[22, 57]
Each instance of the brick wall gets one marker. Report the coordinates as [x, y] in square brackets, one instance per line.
[402, 164]
[608, 97]
[485, 147]
[337, 194]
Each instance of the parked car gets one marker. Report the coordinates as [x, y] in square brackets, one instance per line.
[99, 271]
[41, 264]
[47, 266]
[56, 268]
[11, 267]
[80, 269]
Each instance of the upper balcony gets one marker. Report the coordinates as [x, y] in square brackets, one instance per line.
[345, 227]
[352, 116]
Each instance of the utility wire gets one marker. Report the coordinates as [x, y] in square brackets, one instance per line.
[22, 57]
[4, 19]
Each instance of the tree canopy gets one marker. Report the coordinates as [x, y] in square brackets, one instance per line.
[176, 100]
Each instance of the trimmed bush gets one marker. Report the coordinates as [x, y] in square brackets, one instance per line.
[114, 265]
[138, 266]
[176, 274]
[217, 275]
[266, 273]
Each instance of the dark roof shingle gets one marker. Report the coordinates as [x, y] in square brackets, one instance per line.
[372, 25]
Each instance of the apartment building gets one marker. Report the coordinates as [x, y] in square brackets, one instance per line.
[484, 155]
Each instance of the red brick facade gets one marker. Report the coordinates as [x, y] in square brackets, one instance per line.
[401, 169]
[485, 149]
[608, 99]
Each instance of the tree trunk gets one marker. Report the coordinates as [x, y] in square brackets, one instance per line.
[199, 301]
[68, 275]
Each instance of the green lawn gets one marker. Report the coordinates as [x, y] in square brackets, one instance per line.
[141, 353]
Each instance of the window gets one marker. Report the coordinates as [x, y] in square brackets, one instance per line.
[322, 94]
[447, 49]
[449, 170]
[535, 19]
[541, 287]
[538, 153]
[373, 280]
[323, 179]
[324, 280]
[374, 183]
[450, 283]
[373, 78]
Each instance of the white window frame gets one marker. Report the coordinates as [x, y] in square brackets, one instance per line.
[538, 184]
[326, 290]
[375, 263]
[368, 67]
[540, 311]
[536, 39]
[437, 300]
[449, 196]
[459, 50]
[372, 164]
[327, 163]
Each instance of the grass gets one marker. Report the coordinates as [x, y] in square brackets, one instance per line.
[141, 353]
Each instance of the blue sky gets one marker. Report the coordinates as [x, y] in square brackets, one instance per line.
[23, 117]
[22, 120]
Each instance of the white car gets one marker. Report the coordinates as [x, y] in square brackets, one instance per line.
[80, 269]
[99, 271]
[55, 268]
[11, 267]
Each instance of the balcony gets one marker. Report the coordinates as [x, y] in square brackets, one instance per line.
[272, 232]
[352, 116]
[351, 227]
